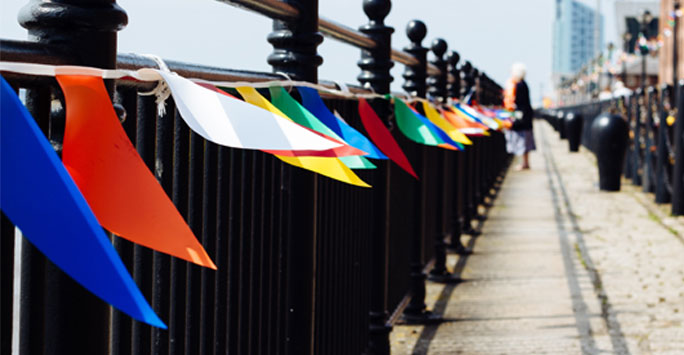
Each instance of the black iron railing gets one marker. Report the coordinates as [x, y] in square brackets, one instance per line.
[305, 264]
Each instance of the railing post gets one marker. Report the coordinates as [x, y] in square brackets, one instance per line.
[648, 183]
[415, 76]
[454, 87]
[477, 91]
[636, 137]
[294, 53]
[479, 142]
[678, 174]
[375, 74]
[470, 206]
[295, 44]
[85, 34]
[454, 92]
[437, 88]
[662, 195]
[468, 81]
[437, 83]
[675, 55]
[625, 112]
[415, 85]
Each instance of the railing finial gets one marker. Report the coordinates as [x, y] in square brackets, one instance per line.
[437, 82]
[454, 86]
[416, 31]
[377, 10]
[376, 63]
[415, 75]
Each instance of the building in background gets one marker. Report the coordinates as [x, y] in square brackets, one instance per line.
[665, 73]
[574, 38]
[629, 18]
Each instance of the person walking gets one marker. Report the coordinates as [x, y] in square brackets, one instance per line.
[519, 139]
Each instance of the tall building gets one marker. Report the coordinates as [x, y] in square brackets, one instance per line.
[574, 37]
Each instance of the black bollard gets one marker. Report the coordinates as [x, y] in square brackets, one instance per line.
[560, 115]
[609, 136]
[573, 130]
[561, 124]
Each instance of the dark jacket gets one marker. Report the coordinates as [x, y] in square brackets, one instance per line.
[522, 103]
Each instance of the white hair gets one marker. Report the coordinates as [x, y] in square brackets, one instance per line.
[518, 71]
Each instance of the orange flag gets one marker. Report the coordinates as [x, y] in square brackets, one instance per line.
[121, 191]
[469, 128]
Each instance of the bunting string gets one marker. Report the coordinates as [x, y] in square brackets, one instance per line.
[152, 74]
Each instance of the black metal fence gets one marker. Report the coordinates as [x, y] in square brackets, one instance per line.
[305, 264]
[655, 154]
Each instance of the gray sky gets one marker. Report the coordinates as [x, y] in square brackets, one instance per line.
[492, 34]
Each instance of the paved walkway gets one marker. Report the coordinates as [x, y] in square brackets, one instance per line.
[562, 268]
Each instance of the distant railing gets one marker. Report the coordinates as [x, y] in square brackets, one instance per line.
[305, 264]
[655, 154]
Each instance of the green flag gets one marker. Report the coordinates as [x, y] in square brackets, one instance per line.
[294, 110]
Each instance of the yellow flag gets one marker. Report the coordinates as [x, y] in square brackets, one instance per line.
[439, 121]
[330, 167]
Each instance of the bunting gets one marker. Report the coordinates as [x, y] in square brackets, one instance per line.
[120, 189]
[419, 129]
[61, 207]
[330, 167]
[40, 198]
[252, 96]
[435, 117]
[466, 126]
[472, 114]
[314, 104]
[297, 113]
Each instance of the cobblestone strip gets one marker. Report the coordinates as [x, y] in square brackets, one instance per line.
[560, 196]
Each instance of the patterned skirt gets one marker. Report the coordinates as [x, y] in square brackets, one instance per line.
[520, 142]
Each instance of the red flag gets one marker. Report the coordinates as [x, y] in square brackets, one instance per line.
[123, 194]
[382, 137]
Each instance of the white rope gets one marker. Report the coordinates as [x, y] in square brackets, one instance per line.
[150, 74]
[162, 92]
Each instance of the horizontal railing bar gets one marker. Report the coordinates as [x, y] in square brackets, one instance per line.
[195, 71]
[279, 10]
[31, 52]
[345, 34]
[270, 8]
[23, 51]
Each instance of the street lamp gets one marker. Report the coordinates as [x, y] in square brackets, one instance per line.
[675, 54]
[626, 40]
[610, 48]
[645, 22]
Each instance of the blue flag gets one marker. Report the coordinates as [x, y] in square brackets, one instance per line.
[40, 198]
[313, 102]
